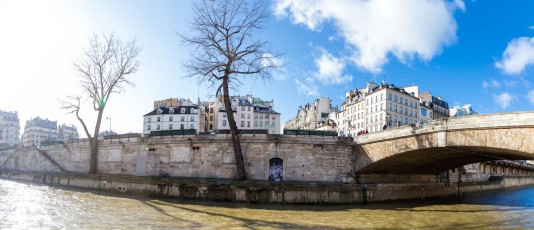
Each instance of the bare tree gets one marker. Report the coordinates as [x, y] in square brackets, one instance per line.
[225, 49]
[104, 68]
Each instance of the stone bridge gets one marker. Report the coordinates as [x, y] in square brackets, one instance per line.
[435, 147]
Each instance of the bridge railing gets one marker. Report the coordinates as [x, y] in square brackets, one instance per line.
[513, 119]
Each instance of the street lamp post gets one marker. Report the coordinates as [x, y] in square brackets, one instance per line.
[109, 123]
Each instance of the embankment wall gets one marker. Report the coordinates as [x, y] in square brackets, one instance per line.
[262, 191]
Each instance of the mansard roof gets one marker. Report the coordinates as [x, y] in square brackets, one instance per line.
[172, 110]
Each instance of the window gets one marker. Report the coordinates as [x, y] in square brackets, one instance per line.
[266, 123]
[181, 126]
[255, 123]
[400, 109]
[423, 112]
[211, 126]
[242, 124]
[148, 127]
[242, 115]
[242, 108]
[255, 116]
[400, 99]
[182, 118]
[211, 110]
[170, 126]
[159, 111]
[158, 127]
[182, 110]
[171, 110]
[159, 119]
[248, 115]
[211, 118]
[224, 122]
[149, 119]
[192, 118]
[192, 126]
[273, 124]
[248, 123]
[171, 118]
[395, 98]
[261, 116]
[248, 108]
[389, 96]
[261, 123]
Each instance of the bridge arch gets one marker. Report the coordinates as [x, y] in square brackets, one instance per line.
[446, 144]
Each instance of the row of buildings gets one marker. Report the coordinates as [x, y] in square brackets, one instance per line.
[374, 108]
[36, 131]
[249, 113]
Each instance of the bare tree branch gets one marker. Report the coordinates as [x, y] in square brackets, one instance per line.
[103, 68]
[224, 49]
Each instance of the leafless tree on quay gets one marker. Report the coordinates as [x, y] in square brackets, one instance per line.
[224, 49]
[104, 68]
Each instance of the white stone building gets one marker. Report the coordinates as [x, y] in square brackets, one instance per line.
[9, 129]
[67, 132]
[171, 118]
[39, 130]
[311, 116]
[249, 114]
[425, 112]
[376, 107]
[458, 111]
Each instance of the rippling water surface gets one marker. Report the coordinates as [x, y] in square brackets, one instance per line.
[31, 206]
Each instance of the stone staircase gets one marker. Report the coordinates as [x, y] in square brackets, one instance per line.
[51, 160]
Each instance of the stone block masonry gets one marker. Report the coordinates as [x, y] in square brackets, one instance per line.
[305, 158]
[261, 191]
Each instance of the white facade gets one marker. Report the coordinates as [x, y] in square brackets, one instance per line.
[38, 130]
[425, 112]
[458, 111]
[9, 129]
[179, 118]
[376, 107]
[249, 113]
[311, 116]
[67, 132]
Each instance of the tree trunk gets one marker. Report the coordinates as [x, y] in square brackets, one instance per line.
[240, 163]
[93, 167]
[94, 156]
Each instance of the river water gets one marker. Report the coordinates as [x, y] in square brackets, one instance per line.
[32, 206]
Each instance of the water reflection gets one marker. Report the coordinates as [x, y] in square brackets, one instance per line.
[26, 206]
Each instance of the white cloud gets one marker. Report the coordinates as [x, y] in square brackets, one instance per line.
[530, 96]
[531, 27]
[517, 56]
[491, 84]
[279, 72]
[503, 99]
[307, 89]
[331, 69]
[374, 29]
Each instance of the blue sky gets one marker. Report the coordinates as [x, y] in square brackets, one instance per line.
[469, 52]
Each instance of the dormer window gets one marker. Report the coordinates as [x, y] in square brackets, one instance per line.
[183, 110]
[159, 111]
[171, 110]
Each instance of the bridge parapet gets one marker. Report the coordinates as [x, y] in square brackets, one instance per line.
[486, 121]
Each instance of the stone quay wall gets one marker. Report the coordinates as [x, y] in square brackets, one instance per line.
[262, 191]
[305, 158]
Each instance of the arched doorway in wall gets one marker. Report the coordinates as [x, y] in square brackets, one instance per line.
[276, 169]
